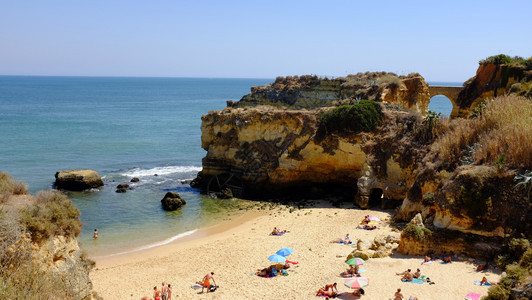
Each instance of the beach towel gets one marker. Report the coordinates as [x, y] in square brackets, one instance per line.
[428, 262]
[415, 280]
[342, 243]
[196, 286]
[485, 284]
[292, 262]
[472, 296]
[279, 234]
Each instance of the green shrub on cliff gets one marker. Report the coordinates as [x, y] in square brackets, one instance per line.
[364, 116]
[416, 232]
[53, 214]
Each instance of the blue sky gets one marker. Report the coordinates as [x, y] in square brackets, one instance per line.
[441, 40]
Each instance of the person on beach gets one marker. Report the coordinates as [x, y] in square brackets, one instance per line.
[408, 277]
[352, 271]
[398, 295]
[446, 259]
[417, 274]
[156, 293]
[345, 240]
[95, 234]
[331, 287]
[484, 281]
[403, 273]
[278, 231]
[426, 259]
[365, 221]
[169, 292]
[482, 267]
[164, 291]
[207, 281]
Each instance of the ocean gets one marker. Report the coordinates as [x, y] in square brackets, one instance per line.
[122, 128]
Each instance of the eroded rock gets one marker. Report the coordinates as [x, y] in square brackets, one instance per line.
[172, 201]
[78, 180]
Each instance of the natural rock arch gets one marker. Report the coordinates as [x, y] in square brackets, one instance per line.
[451, 92]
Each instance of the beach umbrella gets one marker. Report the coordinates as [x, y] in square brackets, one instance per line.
[285, 251]
[277, 258]
[356, 282]
[374, 219]
[355, 261]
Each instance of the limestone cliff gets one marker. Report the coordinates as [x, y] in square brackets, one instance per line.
[497, 75]
[263, 151]
[310, 92]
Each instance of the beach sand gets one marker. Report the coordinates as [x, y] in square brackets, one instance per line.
[235, 249]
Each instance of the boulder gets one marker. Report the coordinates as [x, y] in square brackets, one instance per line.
[363, 245]
[77, 180]
[417, 220]
[123, 187]
[364, 254]
[172, 201]
[135, 179]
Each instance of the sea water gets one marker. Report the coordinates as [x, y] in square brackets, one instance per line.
[122, 128]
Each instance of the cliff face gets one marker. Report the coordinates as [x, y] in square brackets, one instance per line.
[492, 80]
[474, 199]
[65, 260]
[270, 152]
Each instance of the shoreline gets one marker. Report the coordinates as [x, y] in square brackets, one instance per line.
[199, 235]
[235, 249]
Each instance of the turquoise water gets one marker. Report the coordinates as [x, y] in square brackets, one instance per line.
[122, 128]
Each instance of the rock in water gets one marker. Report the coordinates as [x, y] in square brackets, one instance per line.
[77, 180]
[172, 201]
[135, 179]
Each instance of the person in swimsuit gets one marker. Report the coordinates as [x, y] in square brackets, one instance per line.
[95, 234]
[164, 291]
[156, 293]
[347, 239]
[398, 295]
[169, 289]
[207, 281]
[417, 274]
[331, 287]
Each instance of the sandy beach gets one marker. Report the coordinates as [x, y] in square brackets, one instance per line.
[235, 249]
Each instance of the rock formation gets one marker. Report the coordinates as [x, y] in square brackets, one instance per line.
[77, 180]
[172, 201]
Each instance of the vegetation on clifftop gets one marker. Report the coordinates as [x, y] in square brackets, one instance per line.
[26, 222]
[363, 116]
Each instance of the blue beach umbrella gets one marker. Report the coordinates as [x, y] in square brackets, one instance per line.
[277, 258]
[285, 251]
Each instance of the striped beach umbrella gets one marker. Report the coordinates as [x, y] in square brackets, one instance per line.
[355, 261]
[356, 282]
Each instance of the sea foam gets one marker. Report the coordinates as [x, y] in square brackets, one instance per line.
[139, 172]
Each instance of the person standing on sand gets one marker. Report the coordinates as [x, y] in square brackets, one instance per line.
[207, 281]
[164, 291]
[156, 293]
[169, 289]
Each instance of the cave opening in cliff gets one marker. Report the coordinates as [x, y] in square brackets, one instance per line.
[375, 198]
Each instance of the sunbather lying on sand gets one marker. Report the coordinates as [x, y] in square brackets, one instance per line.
[345, 240]
[426, 259]
[278, 231]
[367, 227]
[329, 293]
